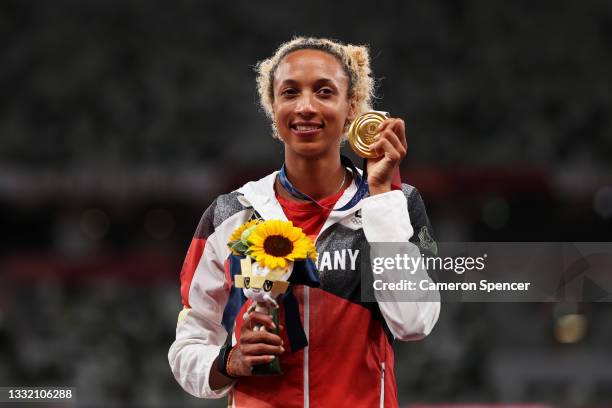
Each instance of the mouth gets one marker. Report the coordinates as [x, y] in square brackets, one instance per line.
[304, 129]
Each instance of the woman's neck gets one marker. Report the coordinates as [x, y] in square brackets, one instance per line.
[315, 177]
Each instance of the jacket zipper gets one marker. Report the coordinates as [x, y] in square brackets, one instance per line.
[307, 330]
[382, 385]
[306, 349]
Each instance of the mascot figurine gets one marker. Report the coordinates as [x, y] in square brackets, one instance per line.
[271, 256]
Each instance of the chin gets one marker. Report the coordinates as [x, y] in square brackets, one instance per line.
[312, 150]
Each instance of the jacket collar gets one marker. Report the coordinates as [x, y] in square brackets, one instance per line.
[261, 196]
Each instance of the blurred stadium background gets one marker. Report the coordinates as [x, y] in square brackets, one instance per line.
[120, 121]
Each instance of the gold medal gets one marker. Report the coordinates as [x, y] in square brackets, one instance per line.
[362, 132]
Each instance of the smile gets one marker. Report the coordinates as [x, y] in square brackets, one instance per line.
[306, 129]
[298, 127]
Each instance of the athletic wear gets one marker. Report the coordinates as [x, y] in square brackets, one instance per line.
[308, 216]
[349, 357]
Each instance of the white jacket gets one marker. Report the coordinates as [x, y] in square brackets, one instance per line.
[210, 310]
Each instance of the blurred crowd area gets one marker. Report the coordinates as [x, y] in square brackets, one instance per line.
[120, 121]
[128, 84]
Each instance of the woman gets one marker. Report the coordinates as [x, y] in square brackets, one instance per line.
[311, 90]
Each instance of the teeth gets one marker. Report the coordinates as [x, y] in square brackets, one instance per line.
[303, 128]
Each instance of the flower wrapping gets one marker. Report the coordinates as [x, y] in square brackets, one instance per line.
[269, 251]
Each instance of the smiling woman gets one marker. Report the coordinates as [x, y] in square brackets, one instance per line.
[308, 82]
[354, 60]
[311, 107]
[311, 89]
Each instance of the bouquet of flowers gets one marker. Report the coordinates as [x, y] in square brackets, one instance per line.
[268, 251]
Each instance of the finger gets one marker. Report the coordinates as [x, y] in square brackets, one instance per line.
[388, 122]
[257, 360]
[260, 349]
[394, 141]
[399, 126]
[385, 148]
[383, 125]
[393, 137]
[260, 337]
[256, 318]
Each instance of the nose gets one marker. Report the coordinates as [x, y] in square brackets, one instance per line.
[305, 105]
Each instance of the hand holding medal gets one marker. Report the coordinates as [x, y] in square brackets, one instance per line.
[382, 141]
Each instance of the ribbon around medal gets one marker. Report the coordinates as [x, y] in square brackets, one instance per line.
[360, 180]
[362, 133]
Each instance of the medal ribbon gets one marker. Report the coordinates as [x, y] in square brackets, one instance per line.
[361, 181]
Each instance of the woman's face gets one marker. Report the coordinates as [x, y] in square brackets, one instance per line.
[311, 102]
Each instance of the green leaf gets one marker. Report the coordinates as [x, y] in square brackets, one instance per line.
[238, 246]
[245, 234]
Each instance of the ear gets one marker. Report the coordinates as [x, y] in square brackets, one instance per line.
[352, 114]
[352, 110]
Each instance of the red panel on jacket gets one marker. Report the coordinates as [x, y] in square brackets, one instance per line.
[194, 253]
[347, 347]
[309, 216]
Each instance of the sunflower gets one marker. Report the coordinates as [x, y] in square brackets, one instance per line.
[272, 243]
[238, 231]
[312, 251]
[235, 244]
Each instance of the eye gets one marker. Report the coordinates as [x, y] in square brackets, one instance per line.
[326, 91]
[267, 286]
[247, 282]
[289, 92]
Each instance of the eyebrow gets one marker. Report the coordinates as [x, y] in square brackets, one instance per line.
[320, 81]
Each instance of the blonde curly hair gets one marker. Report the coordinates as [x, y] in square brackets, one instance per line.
[355, 60]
